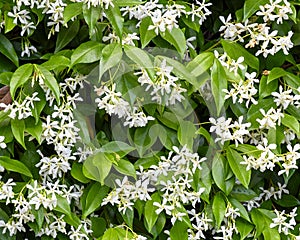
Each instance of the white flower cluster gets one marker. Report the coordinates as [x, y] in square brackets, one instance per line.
[164, 89]
[166, 17]
[226, 130]
[127, 38]
[284, 99]
[23, 109]
[260, 33]
[270, 118]
[200, 223]
[229, 228]
[173, 176]
[37, 196]
[95, 3]
[284, 221]
[231, 64]
[267, 158]
[278, 10]
[267, 194]
[60, 129]
[243, 90]
[113, 103]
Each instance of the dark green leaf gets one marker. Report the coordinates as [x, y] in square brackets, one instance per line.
[66, 35]
[113, 15]
[18, 129]
[218, 83]
[72, 10]
[234, 159]
[87, 52]
[291, 122]
[149, 211]
[14, 166]
[94, 198]
[251, 6]
[19, 77]
[56, 61]
[219, 208]
[287, 201]
[276, 73]
[77, 173]
[91, 16]
[145, 34]
[63, 206]
[179, 231]
[7, 49]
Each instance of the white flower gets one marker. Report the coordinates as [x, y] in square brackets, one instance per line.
[2, 143]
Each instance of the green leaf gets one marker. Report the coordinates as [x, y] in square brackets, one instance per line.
[291, 122]
[98, 226]
[97, 167]
[8, 22]
[14, 166]
[218, 83]
[287, 201]
[276, 73]
[5, 78]
[39, 217]
[111, 56]
[72, 10]
[145, 34]
[219, 208]
[125, 167]
[186, 133]
[242, 210]
[265, 88]
[235, 50]
[221, 173]
[201, 63]
[125, 3]
[117, 147]
[242, 194]
[66, 35]
[94, 198]
[110, 234]
[251, 6]
[91, 16]
[76, 172]
[7, 49]
[176, 38]
[18, 129]
[83, 125]
[179, 231]
[63, 206]
[113, 15]
[87, 52]
[239, 170]
[244, 227]
[141, 58]
[262, 219]
[149, 211]
[20, 77]
[50, 81]
[34, 129]
[128, 217]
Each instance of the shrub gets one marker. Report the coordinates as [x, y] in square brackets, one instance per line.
[123, 119]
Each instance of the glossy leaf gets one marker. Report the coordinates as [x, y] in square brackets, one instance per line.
[14, 166]
[113, 14]
[7, 49]
[146, 35]
[149, 211]
[251, 6]
[218, 83]
[176, 38]
[18, 129]
[87, 52]
[20, 77]
[94, 198]
[219, 208]
[239, 170]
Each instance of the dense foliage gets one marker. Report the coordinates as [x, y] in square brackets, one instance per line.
[128, 119]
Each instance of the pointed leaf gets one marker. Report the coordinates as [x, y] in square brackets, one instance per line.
[20, 77]
[7, 49]
[14, 166]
